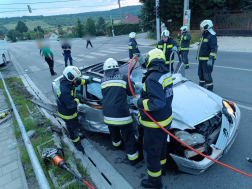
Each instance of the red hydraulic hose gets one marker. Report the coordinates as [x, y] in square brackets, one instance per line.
[129, 81]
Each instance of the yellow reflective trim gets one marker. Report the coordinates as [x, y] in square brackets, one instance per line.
[118, 122]
[57, 92]
[72, 93]
[154, 125]
[164, 49]
[209, 84]
[114, 85]
[205, 40]
[201, 81]
[68, 117]
[130, 47]
[133, 157]
[145, 105]
[160, 46]
[213, 54]
[203, 58]
[76, 140]
[184, 49]
[77, 100]
[136, 46]
[201, 39]
[144, 88]
[162, 162]
[185, 38]
[167, 82]
[117, 143]
[83, 81]
[169, 46]
[168, 62]
[154, 174]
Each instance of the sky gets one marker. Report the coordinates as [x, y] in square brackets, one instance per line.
[13, 8]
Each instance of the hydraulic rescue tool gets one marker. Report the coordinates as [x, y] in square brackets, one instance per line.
[53, 155]
[5, 112]
[178, 68]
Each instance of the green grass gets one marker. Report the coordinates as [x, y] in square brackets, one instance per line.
[31, 25]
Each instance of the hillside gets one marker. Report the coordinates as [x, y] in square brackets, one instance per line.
[67, 19]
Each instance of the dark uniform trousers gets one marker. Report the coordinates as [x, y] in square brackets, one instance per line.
[205, 74]
[50, 64]
[184, 54]
[66, 57]
[155, 145]
[128, 136]
[72, 127]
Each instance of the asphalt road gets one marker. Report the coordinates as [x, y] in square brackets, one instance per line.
[232, 80]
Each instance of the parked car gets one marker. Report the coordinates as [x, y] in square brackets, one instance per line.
[4, 52]
[201, 119]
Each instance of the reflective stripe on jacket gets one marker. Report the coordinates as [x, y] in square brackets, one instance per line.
[207, 47]
[66, 98]
[133, 48]
[115, 107]
[156, 98]
[167, 49]
[184, 41]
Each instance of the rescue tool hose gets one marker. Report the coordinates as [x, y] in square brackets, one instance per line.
[132, 91]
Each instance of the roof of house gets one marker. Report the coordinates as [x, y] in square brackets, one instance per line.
[130, 19]
[48, 35]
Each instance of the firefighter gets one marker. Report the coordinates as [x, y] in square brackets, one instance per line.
[155, 98]
[167, 45]
[184, 39]
[206, 54]
[116, 112]
[133, 48]
[67, 102]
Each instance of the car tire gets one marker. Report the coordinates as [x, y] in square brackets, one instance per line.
[4, 60]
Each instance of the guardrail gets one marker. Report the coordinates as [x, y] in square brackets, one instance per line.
[42, 180]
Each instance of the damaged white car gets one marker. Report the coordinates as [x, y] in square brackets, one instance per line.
[201, 119]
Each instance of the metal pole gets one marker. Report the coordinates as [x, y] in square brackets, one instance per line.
[158, 23]
[42, 181]
[186, 7]
[120, 9]
[112, 26]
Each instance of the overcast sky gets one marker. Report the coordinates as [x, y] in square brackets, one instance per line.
[13, 8]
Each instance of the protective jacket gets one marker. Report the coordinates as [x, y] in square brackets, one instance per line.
[133, 48]
[156, 97]
[66, 98]
[207, 47]
[184, 41]
[115, 107]
[167, 49]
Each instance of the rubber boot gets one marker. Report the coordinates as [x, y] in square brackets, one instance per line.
[136, 161]
[82, 136]
[149, 184]
[79, 147]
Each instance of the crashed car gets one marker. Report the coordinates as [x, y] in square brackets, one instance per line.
[202, 119]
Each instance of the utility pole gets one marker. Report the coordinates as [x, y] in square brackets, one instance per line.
[120, 9]
[157, 21]
[186, 7]
[38, 32]
[112, 23]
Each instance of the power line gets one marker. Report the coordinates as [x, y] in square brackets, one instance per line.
[39, 2]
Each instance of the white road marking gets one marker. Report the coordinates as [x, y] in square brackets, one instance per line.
[87, 56]
[60, 61]
[81, 55]
[99, 54]
[74, 58]
[34, 68]
[79, 60]
[112, 52]
[245, 107]
[120, 50]
[45, 64]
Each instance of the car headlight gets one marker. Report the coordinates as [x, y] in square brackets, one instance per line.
[192, 140]
[229, 110]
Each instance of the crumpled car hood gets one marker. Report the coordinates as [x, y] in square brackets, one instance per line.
[192, 104]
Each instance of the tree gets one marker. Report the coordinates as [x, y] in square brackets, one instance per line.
[79, 28]
[101, 26]
[1, 33]
[61, 31]
[39, 29]
[11, 36]
[21, 27]
[90, 26]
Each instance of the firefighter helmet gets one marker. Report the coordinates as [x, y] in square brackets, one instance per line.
[184, 29]
[155, 56]
[165, 33]
[206, 24]
[110, 63]
[71, 73]
[132, 35]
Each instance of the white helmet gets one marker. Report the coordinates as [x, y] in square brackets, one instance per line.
[132, 35]
[71, 73]
[109, 64]
[184, 28]
[206, 24]
[165, 33]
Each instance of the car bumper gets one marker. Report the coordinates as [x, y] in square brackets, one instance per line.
[197, 167]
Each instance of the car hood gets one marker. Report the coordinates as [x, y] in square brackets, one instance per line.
[192, 105]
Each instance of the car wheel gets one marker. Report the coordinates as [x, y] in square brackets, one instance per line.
[4, 60]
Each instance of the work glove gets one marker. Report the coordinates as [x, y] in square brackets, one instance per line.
[174, 48]
[140, 58]
[90, 79]
[210, 62]
[134, 101]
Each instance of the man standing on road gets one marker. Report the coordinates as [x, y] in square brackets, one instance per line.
[115, 89]
[184, 39]
[68, 102]
[155, 98]
[167, 45]
[49, 58]
[133, 48]
[207, 52]
[88, 41]
[66, 47]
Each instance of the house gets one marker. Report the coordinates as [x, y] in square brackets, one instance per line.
[130, 19]
[51, 36]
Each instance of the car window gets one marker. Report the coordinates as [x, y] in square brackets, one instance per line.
[79, 90]
[94, 91]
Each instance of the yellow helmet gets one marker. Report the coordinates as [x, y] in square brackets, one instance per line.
[155, 56]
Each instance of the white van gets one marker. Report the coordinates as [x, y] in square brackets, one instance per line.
[4, 52]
